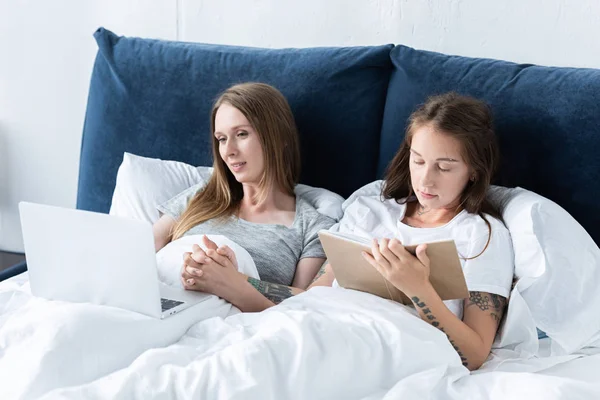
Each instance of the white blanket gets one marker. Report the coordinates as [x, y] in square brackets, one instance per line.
[326, 343]
[49, 344]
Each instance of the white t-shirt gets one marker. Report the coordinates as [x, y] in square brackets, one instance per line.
[491, 272]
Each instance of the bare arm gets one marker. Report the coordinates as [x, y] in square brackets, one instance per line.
[472, 337]
[306, 270]
[324, 277]
[275, 293]
[216, 271]
[246, 293]
[162, 231]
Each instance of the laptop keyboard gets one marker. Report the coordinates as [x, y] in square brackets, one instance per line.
[168, 304]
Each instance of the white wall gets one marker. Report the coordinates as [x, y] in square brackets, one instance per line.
[47, 51]
[46, 55]
[549, 32]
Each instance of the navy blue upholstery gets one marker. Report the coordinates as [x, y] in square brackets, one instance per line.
[153, 98]
[547, 120]
[13, 270]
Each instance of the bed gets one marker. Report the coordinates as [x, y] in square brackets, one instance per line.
[151, 100]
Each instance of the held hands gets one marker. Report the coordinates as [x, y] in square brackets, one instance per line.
[408, 273]
[212, 271]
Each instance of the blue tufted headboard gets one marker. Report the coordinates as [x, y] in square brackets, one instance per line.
[153, 98]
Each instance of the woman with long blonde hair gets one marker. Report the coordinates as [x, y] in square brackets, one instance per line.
[250, 199]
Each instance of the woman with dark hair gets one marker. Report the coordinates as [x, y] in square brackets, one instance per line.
[435, 189]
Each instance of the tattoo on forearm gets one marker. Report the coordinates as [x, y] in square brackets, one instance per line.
[493, 302]
[463, 359]
[272, 291]
[433, 321]
[321, 272]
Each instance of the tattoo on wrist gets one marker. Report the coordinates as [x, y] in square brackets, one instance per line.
[272, 291]
[488, 301]
[433, 321]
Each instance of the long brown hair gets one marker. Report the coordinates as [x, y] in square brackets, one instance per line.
[469, 121]
[270, 115]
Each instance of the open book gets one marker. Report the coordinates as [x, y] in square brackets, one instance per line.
[352, 271]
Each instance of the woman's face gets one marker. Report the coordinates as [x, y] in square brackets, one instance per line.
[239, 145]
[438, 171]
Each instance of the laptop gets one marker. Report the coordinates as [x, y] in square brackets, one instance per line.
[87, 257]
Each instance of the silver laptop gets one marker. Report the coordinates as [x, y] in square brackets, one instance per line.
[87, 257]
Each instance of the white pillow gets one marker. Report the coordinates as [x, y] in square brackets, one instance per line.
[325, 201]
[558, 267]
[144, 183]
[370, 189]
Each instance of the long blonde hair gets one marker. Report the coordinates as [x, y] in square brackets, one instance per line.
[270, 115]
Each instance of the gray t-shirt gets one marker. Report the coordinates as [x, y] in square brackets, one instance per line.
[275, 249]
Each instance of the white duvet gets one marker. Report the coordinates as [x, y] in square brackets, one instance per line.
[324, 344]
[49, 344]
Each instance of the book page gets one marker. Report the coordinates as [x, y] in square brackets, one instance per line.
[352, 238]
